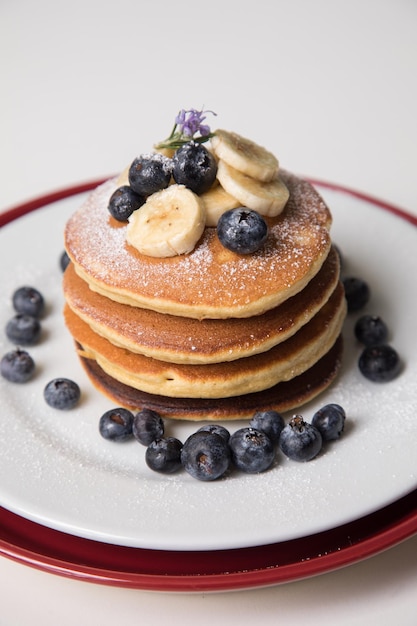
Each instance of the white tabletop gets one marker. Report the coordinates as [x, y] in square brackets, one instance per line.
[329, 86]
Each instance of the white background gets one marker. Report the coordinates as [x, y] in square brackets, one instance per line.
[328, 85]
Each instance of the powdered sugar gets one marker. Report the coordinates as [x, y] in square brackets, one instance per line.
[210, 281]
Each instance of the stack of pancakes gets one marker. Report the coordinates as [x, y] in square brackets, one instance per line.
[209, 335]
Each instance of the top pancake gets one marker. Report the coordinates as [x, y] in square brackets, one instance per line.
[211, 281]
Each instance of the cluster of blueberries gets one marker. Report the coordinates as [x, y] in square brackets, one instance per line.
[241, 230]
[192, 165]
[378, 361]
[24, 329]
[212, 452]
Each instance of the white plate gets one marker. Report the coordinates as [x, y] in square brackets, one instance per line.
[56, 469]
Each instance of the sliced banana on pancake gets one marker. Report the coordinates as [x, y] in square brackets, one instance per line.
[169, 223]
[268, 199]
[217, 201]
[123, 178]
[245, 155]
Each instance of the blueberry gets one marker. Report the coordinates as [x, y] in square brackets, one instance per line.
[62, 393]
[205, 456]
[299, 440]
[379, 363]
[23, 330]
[150, 173]
[216, 428]
[17, 366]
[28, 301]
[147, 426]
[371, 330]
[116, 424]
[330, 421]
[164, 455]
[270, 422]
[252, 450]
[195, 167]
[64, 261]
[357, 293]
[123, 202]
[242, 230]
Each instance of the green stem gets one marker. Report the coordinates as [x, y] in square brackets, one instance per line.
[176, 141]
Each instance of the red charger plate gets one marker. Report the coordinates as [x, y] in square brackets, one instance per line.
[159, 570]
[216, 570]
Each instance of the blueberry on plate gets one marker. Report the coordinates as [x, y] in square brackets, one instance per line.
[147, 426]
[62, 394]
[252, 450]
[242, 230]
[357, 293]
[17, 366]
[195, 167]
[205, 456]
[380, 364]
[299, 440]
[64, 260]
[123, 202]
[116, 424]
[371, 330]
[216, 428]
[330, 421]
[23, 330]
[28, 301]
[270, 422]
[164, 455]
[150, 173]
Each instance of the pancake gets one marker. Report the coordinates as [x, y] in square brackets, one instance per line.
[187, 340]
[255, 373]
[166, 316]
[282, 397]
[210, 281]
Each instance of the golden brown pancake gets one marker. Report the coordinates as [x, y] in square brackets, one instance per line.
[210, 334]
[216, 380]
[282, 397]
[187, 340]
[211, 281]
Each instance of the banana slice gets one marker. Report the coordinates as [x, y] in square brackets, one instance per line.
[123, 178]
[168, 152]
[216, 201]
[245, 155]
[169, 223]
[268, 199]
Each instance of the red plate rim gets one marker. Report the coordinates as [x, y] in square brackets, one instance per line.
[202, 571]
[219, 570]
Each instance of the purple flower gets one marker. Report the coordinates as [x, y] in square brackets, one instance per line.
[191, 122]
[187, 124]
